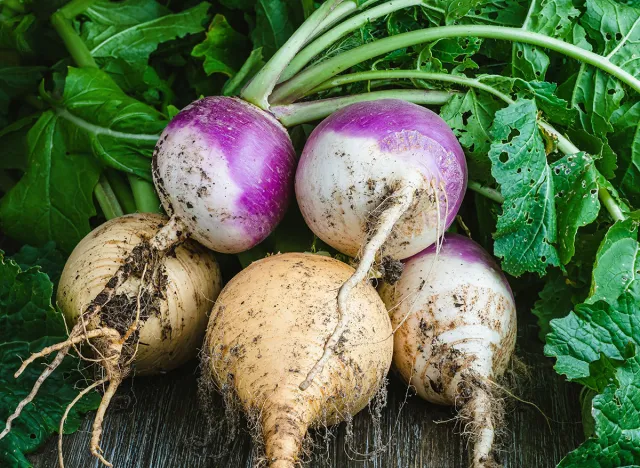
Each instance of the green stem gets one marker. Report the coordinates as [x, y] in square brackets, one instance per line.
[302, 112]
[75, 7]
[122, 190]
[610, 204]
[308, 79]
[74, 43]
[338, 14]
[107, 199]
[564, 144]
[488, 192]
[260, 87]
[409, 74]
[350, 25]
[144, 194]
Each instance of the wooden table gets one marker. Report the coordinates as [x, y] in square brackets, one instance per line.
[156, 423]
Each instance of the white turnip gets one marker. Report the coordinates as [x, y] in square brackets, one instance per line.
[456, 321]
[269, 325]
[384, 176]
[155, 323]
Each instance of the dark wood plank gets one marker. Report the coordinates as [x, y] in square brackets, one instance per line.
[156, 423]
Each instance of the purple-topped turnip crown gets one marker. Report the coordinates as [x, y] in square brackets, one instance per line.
[358, 160]
[225, 168]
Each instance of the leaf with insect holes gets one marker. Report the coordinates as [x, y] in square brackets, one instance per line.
[28, 323]
[526, 229]
[552, 18]
[575, 181]
[470, 116]
[223, 49]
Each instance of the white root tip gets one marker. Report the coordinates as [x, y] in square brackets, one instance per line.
[483, 417]
[96, 431]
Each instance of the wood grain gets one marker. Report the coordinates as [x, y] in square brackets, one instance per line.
[156, 423]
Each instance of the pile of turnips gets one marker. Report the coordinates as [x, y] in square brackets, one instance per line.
[297, 340]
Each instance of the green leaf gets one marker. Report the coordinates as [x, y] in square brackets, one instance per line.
[555, 301]
[13, 141]
[223, 49]
[470, 116]
[626, 124]
[15, 81]
[592, 330]
[617, 266]
[273, 26]
[28, 323]
[577, 204]
[549, 17]
[616, 424]
[138, 41]
[615, 29]
[47, 258]
[53, 200]
[527, 227]
[555, 109]
[122, 131]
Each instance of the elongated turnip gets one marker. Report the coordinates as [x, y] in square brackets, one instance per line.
[457, 330]
[269, 325]
[384, 176]
[157, 320]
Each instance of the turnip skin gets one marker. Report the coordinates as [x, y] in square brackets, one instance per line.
[225, 168]
[269, 325]
[458, 334]
[193, 282]
[382, 177]
[359, 155]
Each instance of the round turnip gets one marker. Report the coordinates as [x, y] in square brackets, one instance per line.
[269, 325]
[456, 331]
[384, 176]
[163, 305]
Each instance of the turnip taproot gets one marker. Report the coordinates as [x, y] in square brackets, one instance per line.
[155, 323]
[384, 176]
[269, 325]
[456, 321]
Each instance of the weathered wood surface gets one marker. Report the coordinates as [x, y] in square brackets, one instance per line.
[156, 423]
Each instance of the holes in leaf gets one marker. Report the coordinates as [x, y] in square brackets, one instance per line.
[32, 435]
[543, 259]
[493, 15]
[504, 157]
[519, 170]
[593, 191]
[477, 12]
[582, 108]
[608, 36]
[529, 220]
[519, 54]
[560, 194]
[472, 147]
[538, 73]
[532, 182]
[513, 133]
[618, 36]
[465, 117]
[556, 170]
[611, 91]
[559, 27]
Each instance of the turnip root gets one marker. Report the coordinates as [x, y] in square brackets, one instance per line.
[456, 321]
[269, 325]
[384, 176]
[155, 323]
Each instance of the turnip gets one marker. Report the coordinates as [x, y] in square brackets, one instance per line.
[384, 176]
[269, 325]
[456, 331]
[155, 323]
